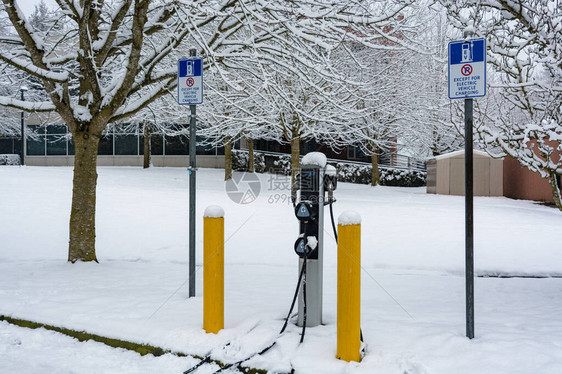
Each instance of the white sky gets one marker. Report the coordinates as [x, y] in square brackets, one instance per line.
[28, 5]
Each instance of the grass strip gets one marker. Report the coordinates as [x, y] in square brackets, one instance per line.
[142, 349]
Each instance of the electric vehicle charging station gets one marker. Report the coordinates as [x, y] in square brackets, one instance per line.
[313, 182]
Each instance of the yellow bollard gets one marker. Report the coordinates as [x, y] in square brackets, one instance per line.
[349, 287]
[213, 269]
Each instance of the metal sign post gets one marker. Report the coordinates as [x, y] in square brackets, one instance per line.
[469, 218]
[22, 149]
[467, 79]
[190, 92]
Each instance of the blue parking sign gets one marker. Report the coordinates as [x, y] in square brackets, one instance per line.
[190, 81]
[467, 68]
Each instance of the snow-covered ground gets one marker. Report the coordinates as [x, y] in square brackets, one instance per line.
[41, 351]
[412, 280]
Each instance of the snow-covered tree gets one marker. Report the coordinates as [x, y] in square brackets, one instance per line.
[234, 110]
[115, 57]
[308, 105]
[42, 18]
[404, 99]
[382, 103]
[436, 121]
[524, 115]
[13, 81]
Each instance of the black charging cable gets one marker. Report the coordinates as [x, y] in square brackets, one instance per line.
[304, 294]
[333, 223]
[294, 300]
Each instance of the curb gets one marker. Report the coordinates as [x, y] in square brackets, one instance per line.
[142, 349]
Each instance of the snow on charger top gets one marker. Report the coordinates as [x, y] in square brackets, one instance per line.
[315, 158]
[213, 211]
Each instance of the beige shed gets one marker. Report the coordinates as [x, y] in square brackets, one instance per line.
[445, 174]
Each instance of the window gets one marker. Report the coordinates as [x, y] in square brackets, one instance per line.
[360, 154]
[308, 146]
[10, 145]
[140, 145]
[126, 139]
[271, 146]
[157, 144]
[36, 144]
[56, 145]
[208, 150]
[49, 140]
[56, 129]
[56, 140]
[351, 152]
[70, 146]
[126, 144]
[105, 147]
[356, 153]
[117, 140]
[177, 145]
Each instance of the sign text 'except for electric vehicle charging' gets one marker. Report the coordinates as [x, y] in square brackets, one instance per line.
[190, 81]
[467, 68]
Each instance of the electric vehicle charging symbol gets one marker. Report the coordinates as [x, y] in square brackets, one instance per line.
[467, 52]
[243, 188]
[189, 68]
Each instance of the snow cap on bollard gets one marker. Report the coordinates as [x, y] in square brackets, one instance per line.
[349, 217]
[214, 211]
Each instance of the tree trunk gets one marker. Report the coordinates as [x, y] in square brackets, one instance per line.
[251, 155]
[83, 210]
[227, 159]
[295, 165]
[555, 190]
[146, 148]
[375, 174]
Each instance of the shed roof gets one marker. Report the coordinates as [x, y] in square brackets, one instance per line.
[459, 153]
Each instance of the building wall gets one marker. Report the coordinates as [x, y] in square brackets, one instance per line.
[203, 161]
[51, 145]
[449, 175]
[431, 180]
[481, 176]
[521, 183]
[443, 177]
[496, 173]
